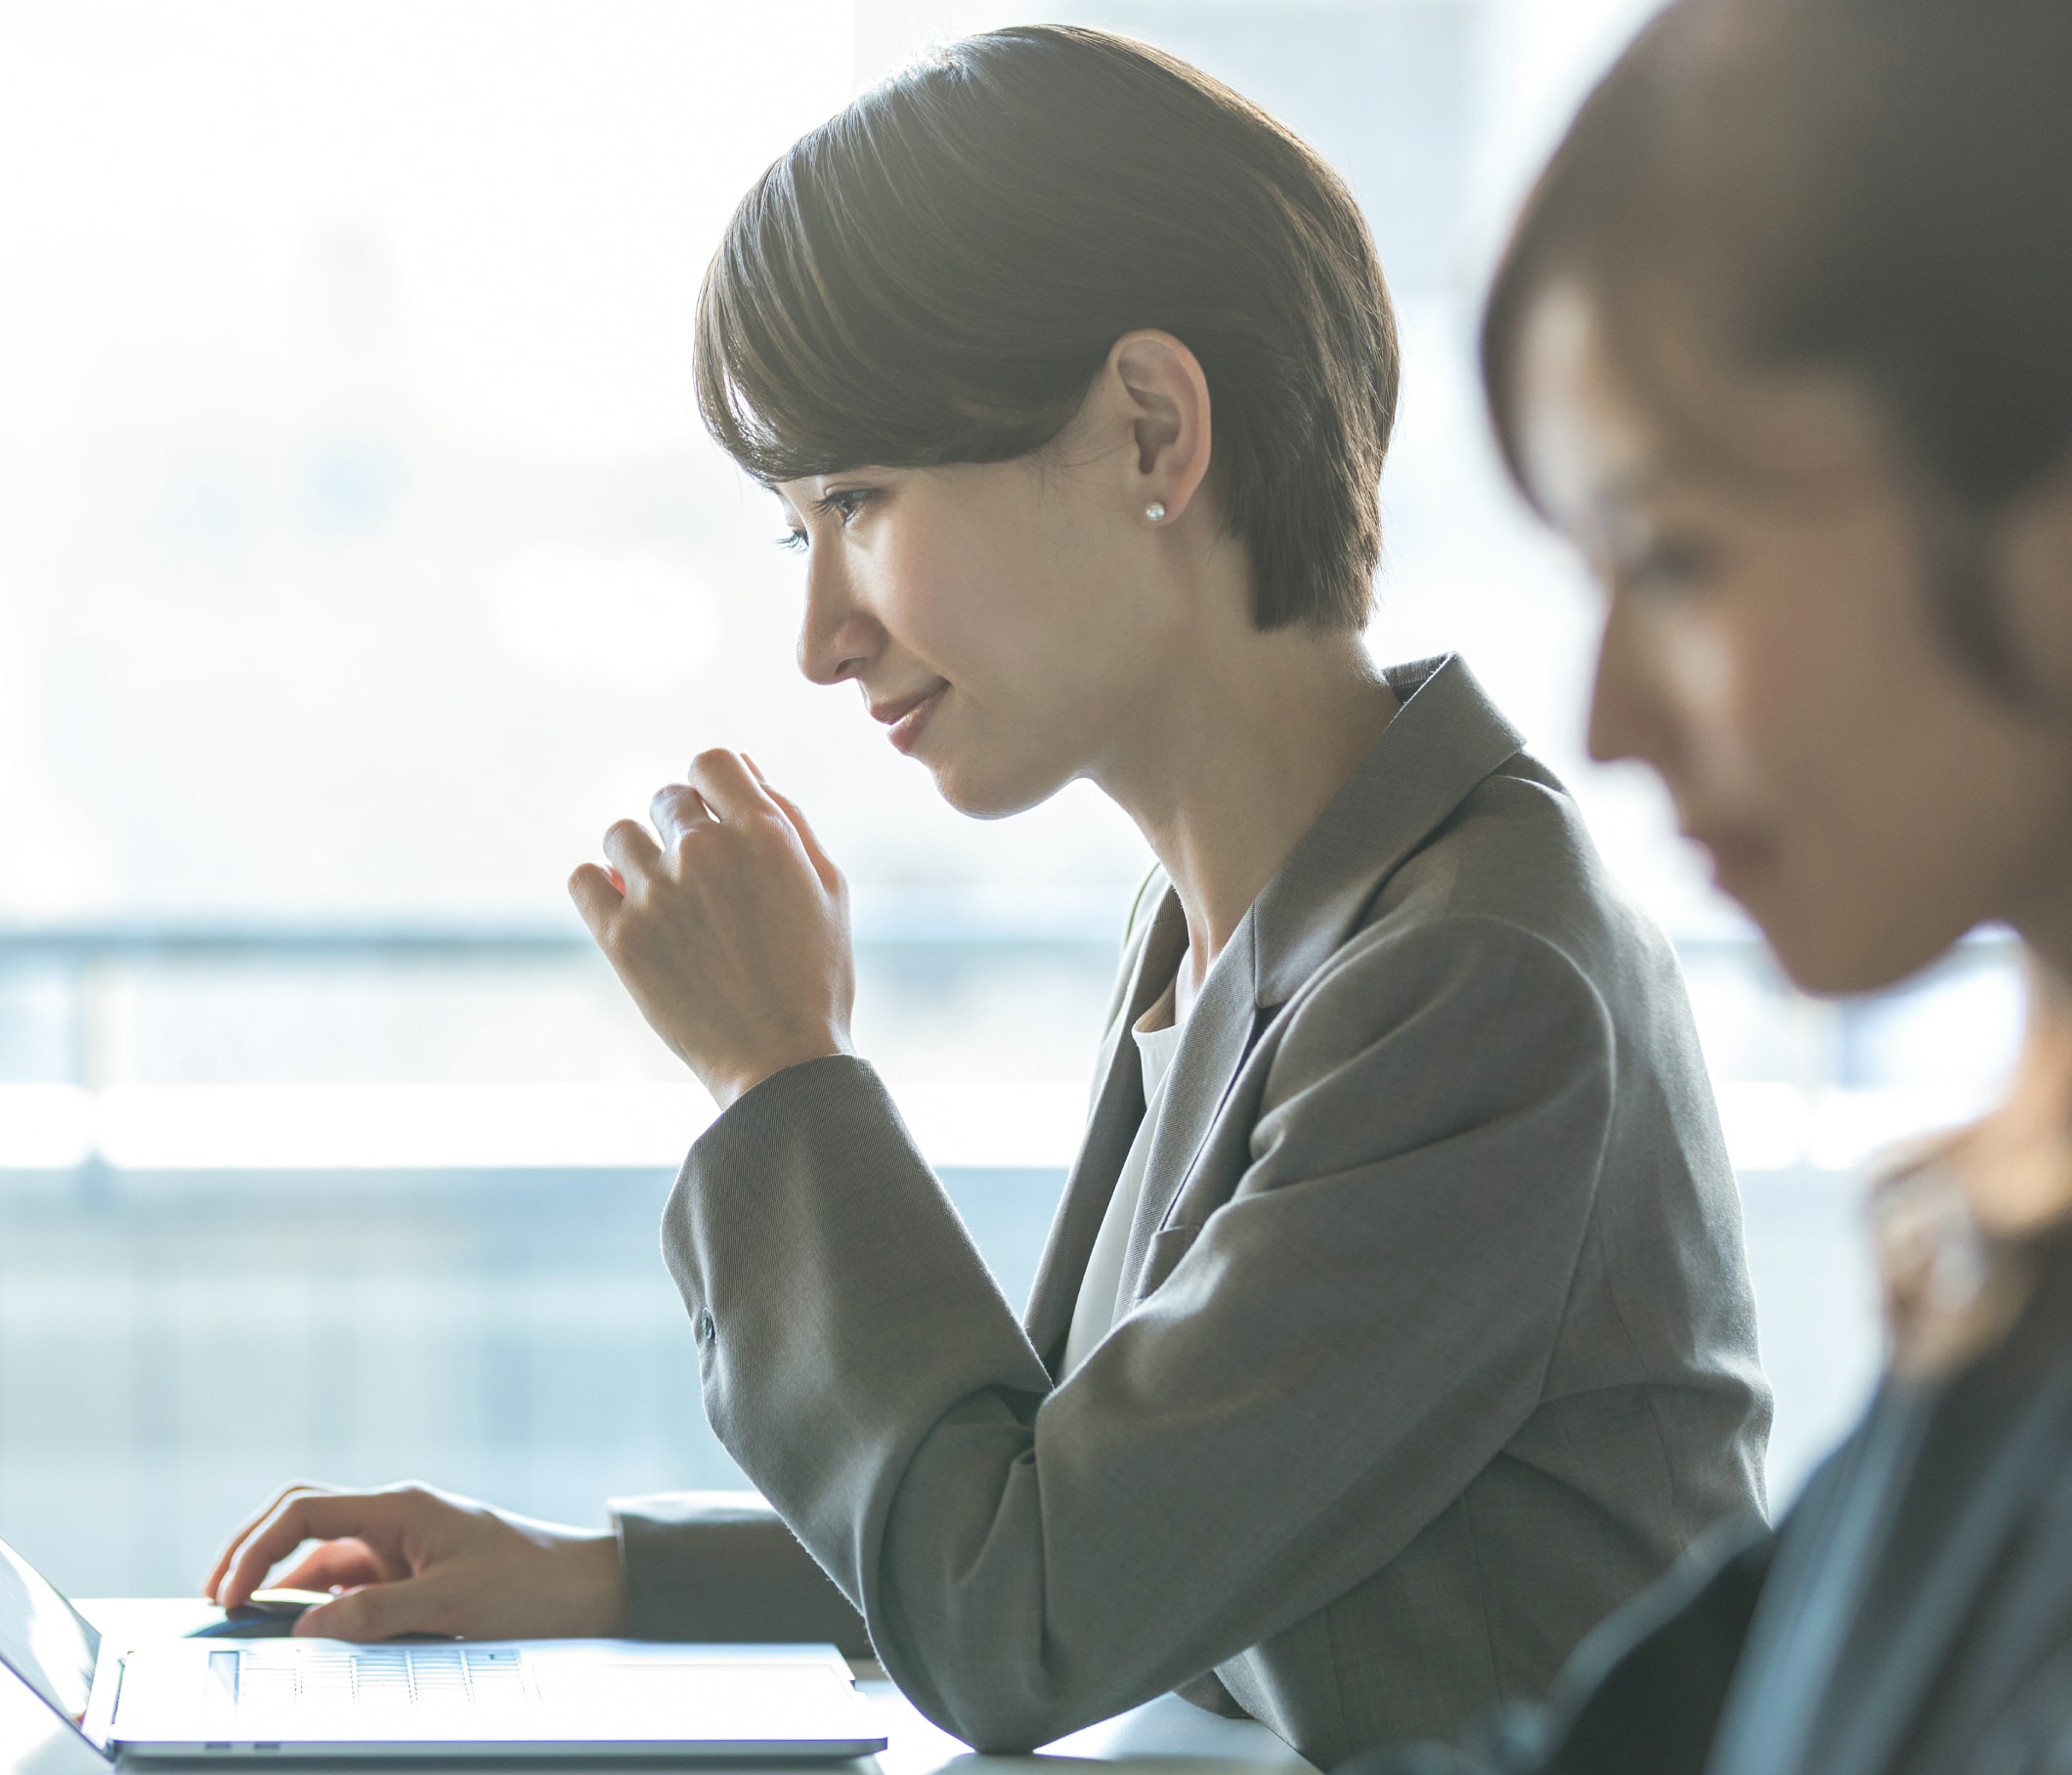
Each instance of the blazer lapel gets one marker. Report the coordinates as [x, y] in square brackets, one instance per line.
[1220, 1032]
[1958, 1567]
[1445, 739]
[1446, 736]
[2010, 1643]
[1118, 1108]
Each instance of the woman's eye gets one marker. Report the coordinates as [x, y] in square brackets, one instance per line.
[1673, 566]
[841, 505]
[846, 504]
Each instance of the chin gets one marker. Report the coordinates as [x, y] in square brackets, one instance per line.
[995, 795]
[1833, 961]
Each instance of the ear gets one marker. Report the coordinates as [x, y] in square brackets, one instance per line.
[2034, 555]
[1161, 397]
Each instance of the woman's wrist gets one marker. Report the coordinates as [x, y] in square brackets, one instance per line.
[729, 1088]
[594, 1585]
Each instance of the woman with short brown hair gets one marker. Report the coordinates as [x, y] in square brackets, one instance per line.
[1394, 1323]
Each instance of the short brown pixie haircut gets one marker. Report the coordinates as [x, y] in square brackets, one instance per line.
[937, 273]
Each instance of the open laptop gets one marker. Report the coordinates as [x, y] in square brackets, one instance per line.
[597, 1699]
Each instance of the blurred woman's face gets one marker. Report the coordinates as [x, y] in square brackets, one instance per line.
[1770, 650]
[1002, 618]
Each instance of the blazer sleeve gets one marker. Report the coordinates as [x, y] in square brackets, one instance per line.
[722, 1566]
[1342, 1346]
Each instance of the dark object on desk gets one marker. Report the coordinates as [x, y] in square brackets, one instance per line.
[269, 1615]
[272, 1616]
[247, 1624]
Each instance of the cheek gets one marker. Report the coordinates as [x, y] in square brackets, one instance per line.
[1708, 672]
[957, 585]
[1780, 685]
[1789, 673]
[1703, 695]
[929, 588]
[1865, 774]
[1841, 688]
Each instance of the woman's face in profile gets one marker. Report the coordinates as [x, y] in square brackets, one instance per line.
[1000, 618]
[1769, 649]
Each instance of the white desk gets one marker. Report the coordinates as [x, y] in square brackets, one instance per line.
[1164, 1737]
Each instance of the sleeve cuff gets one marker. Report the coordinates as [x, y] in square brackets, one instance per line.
[722, 1567]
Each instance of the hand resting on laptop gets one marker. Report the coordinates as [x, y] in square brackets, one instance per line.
[411, 1559]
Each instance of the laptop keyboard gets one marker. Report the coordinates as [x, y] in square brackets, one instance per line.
[368, 1684]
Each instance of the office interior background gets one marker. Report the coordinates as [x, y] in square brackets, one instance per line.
[360, 559]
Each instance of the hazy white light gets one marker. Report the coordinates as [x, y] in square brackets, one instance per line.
[1024, 1122]
[628, 619]
[392, 1127]
[979, 1124]
[1853, 1128]
[1765, 1124]
[503, 1127]
[44, 1127]
[1775, 1127]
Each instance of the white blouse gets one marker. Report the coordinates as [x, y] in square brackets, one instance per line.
[1095, 1313]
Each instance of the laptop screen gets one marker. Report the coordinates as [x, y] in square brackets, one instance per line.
[43, 1639]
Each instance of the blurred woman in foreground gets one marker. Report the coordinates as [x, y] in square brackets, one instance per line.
[1784, 344]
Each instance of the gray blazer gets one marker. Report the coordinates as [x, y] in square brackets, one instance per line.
[1442, 1343]
[1911, 1614]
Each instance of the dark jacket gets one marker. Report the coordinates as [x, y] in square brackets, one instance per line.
[1910, 1616]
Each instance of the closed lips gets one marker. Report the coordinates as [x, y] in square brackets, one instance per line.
[902, 707]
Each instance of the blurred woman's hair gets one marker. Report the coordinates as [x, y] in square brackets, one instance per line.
[937, 273]
[1878, 190]
[1875, 189]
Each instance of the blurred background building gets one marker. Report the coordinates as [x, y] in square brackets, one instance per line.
[361, 561]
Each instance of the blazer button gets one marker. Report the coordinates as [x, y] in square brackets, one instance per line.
[706, 1330]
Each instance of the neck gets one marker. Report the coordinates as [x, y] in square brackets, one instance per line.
[1231, 761]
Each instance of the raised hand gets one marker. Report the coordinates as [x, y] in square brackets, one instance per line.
[732, 932]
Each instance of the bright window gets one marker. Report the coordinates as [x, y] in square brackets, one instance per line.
[361, 561]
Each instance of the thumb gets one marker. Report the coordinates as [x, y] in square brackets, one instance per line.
[815, 851]
[373, 1612]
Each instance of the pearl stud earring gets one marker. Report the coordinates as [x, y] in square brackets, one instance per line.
[1156, 511]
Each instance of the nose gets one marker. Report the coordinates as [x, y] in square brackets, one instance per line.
[838, 637]
[1629, 718]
